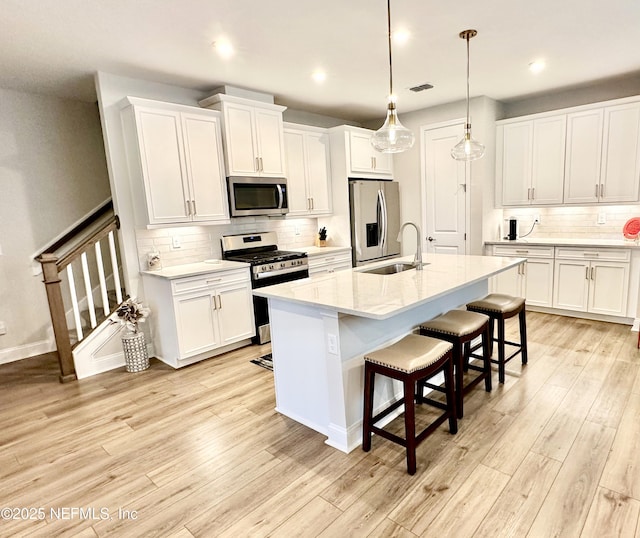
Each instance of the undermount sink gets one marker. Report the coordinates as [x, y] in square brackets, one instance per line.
[391, 269]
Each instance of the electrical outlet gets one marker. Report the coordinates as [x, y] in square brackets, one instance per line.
[296, 230]
[175, 242]
[602, 218]
[536, 218]
[3, 328]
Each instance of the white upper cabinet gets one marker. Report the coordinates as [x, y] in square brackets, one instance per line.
[175, 162]
[584, 149]
[253, 136]
[532, 161]
[364, 159]
[583, 155]
[308, 170]
[620, 168]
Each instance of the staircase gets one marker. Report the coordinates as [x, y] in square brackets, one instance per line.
[82, 277]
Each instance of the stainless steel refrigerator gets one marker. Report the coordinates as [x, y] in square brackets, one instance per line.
[374, 208]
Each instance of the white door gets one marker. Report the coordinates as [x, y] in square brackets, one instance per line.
[445, 185]
[235, 313]
[582, 160]
[571, 285]
[608, 288]
[539, 282]
[318, 171]
[195, 324]
[270, 143]
[296, 175]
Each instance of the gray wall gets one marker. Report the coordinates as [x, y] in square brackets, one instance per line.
[52, 174]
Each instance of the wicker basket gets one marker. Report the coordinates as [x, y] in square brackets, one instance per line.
[135, 352]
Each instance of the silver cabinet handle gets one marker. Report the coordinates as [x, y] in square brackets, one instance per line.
[187, 204]
[522, 251]
[212, 280]
[312, 203]
[593, 270]
[529, 193]
[261, 165]
[593, 254]
[601, 190]
[195, 211]
[431, 239]
[587, 273]
[533, 193]
[257, 165]
[219, 302]
[597, 188]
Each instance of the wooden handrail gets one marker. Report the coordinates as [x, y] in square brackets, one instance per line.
[53, 261]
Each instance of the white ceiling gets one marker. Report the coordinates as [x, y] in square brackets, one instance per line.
[55, 46]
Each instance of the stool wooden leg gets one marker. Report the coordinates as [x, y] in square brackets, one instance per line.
[486, 337]
[501, 353]
[410, 424]
[451, 398]
[523, 335]
[491, 333]
[369, 375]
[459, 374]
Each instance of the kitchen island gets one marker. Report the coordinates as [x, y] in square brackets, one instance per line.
[322, 326]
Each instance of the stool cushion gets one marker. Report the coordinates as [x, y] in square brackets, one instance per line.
[456, 322]
[410, 354]
[497, 302]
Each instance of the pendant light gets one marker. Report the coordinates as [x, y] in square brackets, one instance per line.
[392, 137]
[467, 149]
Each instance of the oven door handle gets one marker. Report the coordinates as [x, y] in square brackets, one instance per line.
[278, 272]
[280, 196]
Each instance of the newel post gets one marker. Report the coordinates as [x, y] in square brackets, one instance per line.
[58, 318]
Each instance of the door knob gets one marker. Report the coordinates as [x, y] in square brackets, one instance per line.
[430, 239]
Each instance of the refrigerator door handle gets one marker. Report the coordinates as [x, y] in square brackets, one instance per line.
[385, 221]
[380, 219]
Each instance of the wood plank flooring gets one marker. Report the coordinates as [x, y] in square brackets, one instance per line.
[201, 452]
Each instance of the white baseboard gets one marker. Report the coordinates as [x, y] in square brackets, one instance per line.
[13, 354]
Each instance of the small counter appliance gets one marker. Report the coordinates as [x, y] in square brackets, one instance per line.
[513, 229]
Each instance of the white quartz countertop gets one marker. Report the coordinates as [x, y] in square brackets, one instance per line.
[194, 269]
[568, 242]
[383, 296]
[320, 251]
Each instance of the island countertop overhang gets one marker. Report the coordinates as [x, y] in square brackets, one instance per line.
[358, 293]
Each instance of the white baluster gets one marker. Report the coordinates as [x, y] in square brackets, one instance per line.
[87, 290]
[103, 282]
[74, 302]
[114, 268]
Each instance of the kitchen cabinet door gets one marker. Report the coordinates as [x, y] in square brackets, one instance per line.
[270, 142]
[364, 159]
[161, 157]
[620, 174]
[516, 163]
[547, 171]
[538, 282]
[296, 173]
[196, 324]
[240, 143]
[571, 285]
[583, 156]
[308, 171]
[235, 312]
[609, 285]
[205, 169]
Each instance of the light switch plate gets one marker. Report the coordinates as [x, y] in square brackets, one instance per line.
[602, 218]
[175, 241]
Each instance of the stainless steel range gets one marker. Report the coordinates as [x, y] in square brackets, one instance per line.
[268, 266]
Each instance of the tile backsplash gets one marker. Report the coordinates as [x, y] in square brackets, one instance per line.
[198, 243]
[576, 222]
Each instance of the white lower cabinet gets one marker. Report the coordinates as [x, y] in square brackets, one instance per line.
[595, 281]
[532, 280]
[200, 314]
[329, 263]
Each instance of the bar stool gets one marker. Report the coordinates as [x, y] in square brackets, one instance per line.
[409, 360]
[460, 327]
[500, 307]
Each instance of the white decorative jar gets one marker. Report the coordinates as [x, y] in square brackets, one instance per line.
[135, 352]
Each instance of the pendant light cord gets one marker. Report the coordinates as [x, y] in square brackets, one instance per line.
[389, 39]
[468, 126]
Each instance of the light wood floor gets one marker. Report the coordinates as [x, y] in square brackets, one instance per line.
[201, 452]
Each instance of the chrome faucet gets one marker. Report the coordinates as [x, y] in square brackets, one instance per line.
[417, 260]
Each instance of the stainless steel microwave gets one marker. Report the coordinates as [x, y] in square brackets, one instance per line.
[250, 196]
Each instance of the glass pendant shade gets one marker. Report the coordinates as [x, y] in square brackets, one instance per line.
[468, 149]
[392, 137]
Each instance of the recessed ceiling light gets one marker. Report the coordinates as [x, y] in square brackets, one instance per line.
[224, 48]
[400, 36]
[319, 76]
[537, 66]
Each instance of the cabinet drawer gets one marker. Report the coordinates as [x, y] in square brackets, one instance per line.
[341, 258]
[208, 280]
[605, 254]
[523, 251]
